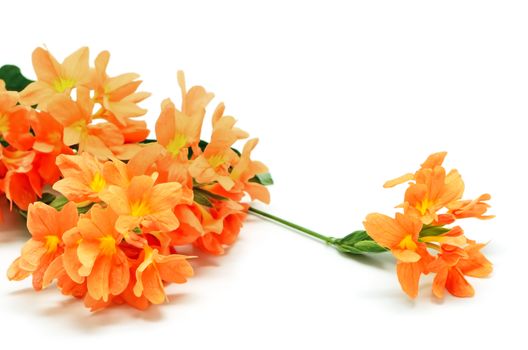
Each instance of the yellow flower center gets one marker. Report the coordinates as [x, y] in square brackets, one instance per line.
[176, 144]
[52, 242]
[4, 123]
[139, 208]
[62, 84]
[408, 243]
[216, 160]
[424, 205]
[98, 182]
[107, 245]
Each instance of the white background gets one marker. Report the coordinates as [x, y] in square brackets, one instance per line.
[343, 96]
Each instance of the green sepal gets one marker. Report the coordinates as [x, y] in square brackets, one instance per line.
[59, 202]
[358, 242]
[263, 179]
[204, 197]
[47, 198]
[431, 230]
[13, 78]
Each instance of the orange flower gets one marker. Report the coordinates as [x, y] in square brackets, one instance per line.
[83, 178]
[218, 156]
[156, 269]
[55, 78]
[117, 95]
[453, 263]
[221, 225]
[48, 134]
[76, 118]
[246, 169]
[47, 226]
[400, 235]
[178, 130]
[102, 261]
[144, 204]
[433, 191]
[471, 208]
[14, 120]
[434, 160]
[22, 183]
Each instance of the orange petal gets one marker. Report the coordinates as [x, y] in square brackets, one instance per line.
[153, 286]
[409, 277]
[87, 252]
[457, 285]
[42, 221]
[165, 196]
[434, 160]
[406, 255]
[75, 66]
[54, 270]
[399, 180]
[32, 253]
[174, 268]
[15, 273]
[46, 66]
[439, 283]
[98, 280]
[119, 273]
[384, 230]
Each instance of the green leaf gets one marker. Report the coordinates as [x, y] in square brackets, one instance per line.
[355, 237]
[47, 198]
[59, 202]
[263, 179]
[202, 199]
[210, 194]
[13, 78]
[369, 246]
[85, 209]
[430, 230]
[348, 249]
[358, 242]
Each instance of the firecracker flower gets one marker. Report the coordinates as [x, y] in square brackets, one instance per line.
[433, 200]
[110, 211]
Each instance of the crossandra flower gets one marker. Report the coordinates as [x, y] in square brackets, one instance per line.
[453, 263]
[14, 120]
[178, 130]
[47, 226]
[55, 78]
[400, 235]
[82, 178]
[214, 163]
[103, 262]
[156, 269]
[433, 200]
[117, 95]
[144, 204]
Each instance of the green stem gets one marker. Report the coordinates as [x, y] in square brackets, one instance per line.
[326, 239]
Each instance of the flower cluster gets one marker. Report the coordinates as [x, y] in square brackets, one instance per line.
[419, 238]
[78, 108]
[122, 209]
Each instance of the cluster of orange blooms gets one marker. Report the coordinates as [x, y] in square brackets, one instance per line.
[74, 130]
[433, 200]
[122, 206]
